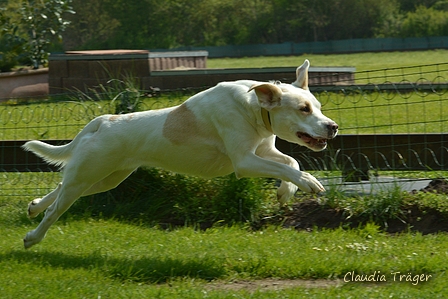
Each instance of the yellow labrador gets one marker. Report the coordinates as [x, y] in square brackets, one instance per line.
[228, 128]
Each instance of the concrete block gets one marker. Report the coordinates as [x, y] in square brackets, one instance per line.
[78, 68]
[58, 68]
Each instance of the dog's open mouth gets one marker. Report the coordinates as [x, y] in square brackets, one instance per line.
[311, 141]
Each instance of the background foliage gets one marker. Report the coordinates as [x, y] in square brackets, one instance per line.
[37, 26]
[29, 29]
[151, 24]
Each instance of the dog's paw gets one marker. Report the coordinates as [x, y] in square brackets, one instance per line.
[33, 211]
[285, 192]
[310, 184]
[26, 243]
[30, 240]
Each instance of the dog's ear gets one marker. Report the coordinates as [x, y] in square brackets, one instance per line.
[302, 75]
[268, 95]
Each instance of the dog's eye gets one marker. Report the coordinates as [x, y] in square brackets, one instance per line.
[305, 109]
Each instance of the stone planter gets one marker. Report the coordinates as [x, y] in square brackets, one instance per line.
[24, 83]
[86, 69]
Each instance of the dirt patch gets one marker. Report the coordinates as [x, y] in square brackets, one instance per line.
[272, 284]
[310, 214]
[438, 186]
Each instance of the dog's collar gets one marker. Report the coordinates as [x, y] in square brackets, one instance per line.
[266, 119]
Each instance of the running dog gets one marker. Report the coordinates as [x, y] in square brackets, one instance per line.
[228, 128]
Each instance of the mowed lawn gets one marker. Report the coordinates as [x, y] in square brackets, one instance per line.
[111, 259]
[371, 67]
[361, 61]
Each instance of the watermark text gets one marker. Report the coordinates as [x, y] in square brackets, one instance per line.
[378, 276]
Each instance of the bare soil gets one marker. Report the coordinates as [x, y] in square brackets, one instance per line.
[309, 214]
[272, 284]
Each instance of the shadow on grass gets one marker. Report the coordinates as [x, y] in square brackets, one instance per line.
[139, 270]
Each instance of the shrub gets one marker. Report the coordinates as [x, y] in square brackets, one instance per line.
[157, 196]
[11, 45]
[124, 95]
[29, 30]
[425, 22]
[6, 62]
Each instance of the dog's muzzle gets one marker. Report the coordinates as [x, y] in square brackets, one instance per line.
[319, 143]
[332, 129]
[312, 142]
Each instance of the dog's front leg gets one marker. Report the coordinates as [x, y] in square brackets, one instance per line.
[268, 151]
[286, 190]
[251, 165]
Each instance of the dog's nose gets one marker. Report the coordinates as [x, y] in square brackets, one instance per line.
[332, 128]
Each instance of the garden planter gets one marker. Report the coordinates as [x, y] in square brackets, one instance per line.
[24, 83]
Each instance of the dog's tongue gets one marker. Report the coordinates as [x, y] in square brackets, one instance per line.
[305, 137]
[308, 139]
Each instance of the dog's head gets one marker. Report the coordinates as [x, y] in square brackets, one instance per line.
[295, 114]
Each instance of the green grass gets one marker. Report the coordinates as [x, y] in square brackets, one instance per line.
[117, 257]
[362, 61]
[91, 258]
[64, 118]
[356, 111]
[376, 68]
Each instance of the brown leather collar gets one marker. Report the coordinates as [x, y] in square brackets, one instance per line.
[266, 119]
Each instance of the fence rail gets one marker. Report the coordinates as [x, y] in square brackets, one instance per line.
[354, 155]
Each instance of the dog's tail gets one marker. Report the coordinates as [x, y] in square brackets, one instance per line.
[61, 154]
[56, 155]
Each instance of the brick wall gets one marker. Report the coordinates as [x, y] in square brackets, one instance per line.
[83, 70]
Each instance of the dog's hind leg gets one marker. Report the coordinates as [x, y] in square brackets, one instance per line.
[38, 205]
[67, 195]
[110, 182]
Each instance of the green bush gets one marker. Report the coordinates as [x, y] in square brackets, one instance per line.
[29, 30]
[425, 22]
[11, 45]
[156, 196]
[6, 62]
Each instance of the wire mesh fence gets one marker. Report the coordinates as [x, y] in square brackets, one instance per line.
[390, 120]
[56, 122]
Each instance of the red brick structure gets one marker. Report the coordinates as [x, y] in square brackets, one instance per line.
[82, 70]
[86, 69]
